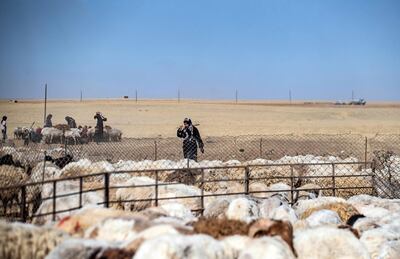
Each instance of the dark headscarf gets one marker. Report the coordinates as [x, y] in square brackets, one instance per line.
[188, 121]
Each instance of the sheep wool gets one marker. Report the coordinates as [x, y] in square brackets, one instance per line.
[328, 242]
[267, 248]
[20, 241]
[242, 209]
[179, 246]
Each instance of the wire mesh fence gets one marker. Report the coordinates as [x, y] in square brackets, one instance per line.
[46, 180]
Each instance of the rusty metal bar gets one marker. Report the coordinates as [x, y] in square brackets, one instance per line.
[333, 180]
[366, 153]
[155, 150]
[23, 204]
[54, 200]
[246, 180]
[291, 184]
[156, 189]
[202, 192]
[106, 189]
[80, 191]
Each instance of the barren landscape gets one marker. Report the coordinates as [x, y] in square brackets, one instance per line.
[160, 118]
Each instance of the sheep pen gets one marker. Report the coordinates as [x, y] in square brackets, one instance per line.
[210, 208]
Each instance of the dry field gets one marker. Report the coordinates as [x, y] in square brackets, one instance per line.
[152, 118]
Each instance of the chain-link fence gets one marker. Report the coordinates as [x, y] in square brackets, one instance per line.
[47, 180]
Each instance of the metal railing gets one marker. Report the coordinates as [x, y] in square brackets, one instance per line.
[331, 186]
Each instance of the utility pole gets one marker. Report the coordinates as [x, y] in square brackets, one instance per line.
[236, 96]
[136, 95]
[352, 95]
[45, 102]
[179, 95]
[81, 95]
[290, 96]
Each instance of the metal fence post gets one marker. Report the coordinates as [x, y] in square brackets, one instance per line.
[333, 180]
[106, 190]
[246, 180]
[44, 165]
[54, 200]
[291, 184]
[261, 142]
[202, 192]
[80, 191]
[156, 189]
[155, 150]
[23, 204]
[366, 153]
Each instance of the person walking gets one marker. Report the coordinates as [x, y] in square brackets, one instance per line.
[191, 139]
[4, 128]
[98, 133]
[48, 123]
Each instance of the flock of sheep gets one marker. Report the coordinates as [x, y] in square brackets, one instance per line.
[263, 224]
[61, 133]
[362, 226]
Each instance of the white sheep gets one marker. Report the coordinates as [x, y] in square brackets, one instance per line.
[115, 230]
[20, 241]
[78, 248]
[323, 217]
[63, 203]
[50, 135]
[242, 209]
[267, 248]
[284, 212]
[180, 246]
[376, 239]
[73, 134]
[328, 242]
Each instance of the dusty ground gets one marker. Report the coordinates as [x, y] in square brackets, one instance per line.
[151, 118]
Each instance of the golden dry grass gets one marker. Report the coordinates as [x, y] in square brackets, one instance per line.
[151, 118]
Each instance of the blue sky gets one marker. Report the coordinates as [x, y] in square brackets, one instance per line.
[319, 49]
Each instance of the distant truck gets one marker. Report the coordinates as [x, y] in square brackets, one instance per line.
[358, 102]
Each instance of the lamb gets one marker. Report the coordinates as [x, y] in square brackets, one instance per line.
[27, 241]
[330, 243]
